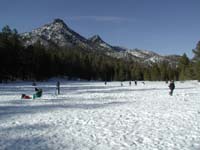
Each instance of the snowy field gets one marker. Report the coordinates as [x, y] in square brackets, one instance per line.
[92, 116]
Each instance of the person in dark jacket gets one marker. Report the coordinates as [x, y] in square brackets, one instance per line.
[171, 87]
[135, 82]
[58, 87]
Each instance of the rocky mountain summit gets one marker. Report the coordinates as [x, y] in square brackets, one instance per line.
[57, 33]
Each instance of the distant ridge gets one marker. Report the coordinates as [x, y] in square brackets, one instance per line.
[59, 34]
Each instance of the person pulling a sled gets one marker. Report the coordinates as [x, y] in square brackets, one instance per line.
[171, 87]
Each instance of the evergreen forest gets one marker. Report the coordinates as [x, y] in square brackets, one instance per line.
[38, 63]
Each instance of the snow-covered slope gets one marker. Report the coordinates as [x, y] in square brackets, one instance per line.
[149, 56]
[142, 53]
[90, 115]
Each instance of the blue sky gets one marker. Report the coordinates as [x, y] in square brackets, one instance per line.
[163, 26]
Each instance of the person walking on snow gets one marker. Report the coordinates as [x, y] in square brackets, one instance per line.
[171, 87]
[135, 82]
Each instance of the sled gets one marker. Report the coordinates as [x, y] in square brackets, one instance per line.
[24, 96]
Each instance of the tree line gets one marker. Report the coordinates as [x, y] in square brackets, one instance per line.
[37, 62]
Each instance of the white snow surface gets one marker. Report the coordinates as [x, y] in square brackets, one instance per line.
[94, 116]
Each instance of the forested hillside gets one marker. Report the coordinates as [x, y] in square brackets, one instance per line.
[37, 62]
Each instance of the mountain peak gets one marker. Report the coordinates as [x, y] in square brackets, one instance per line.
[56, 32]
[96, 38]
[58, 20]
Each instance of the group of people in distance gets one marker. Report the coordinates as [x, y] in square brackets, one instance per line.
[171, 85]
[38, 92]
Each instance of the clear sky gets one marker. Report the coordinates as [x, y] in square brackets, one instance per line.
[163, 26]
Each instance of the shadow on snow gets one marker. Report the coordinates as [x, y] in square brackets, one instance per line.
[9, 111]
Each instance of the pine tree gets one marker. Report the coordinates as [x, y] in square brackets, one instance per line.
[155, 72]
[196, 60]
[147, 75]
[164, 71]
[183, 66]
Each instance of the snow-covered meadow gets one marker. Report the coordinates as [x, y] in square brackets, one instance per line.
[92, 116]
